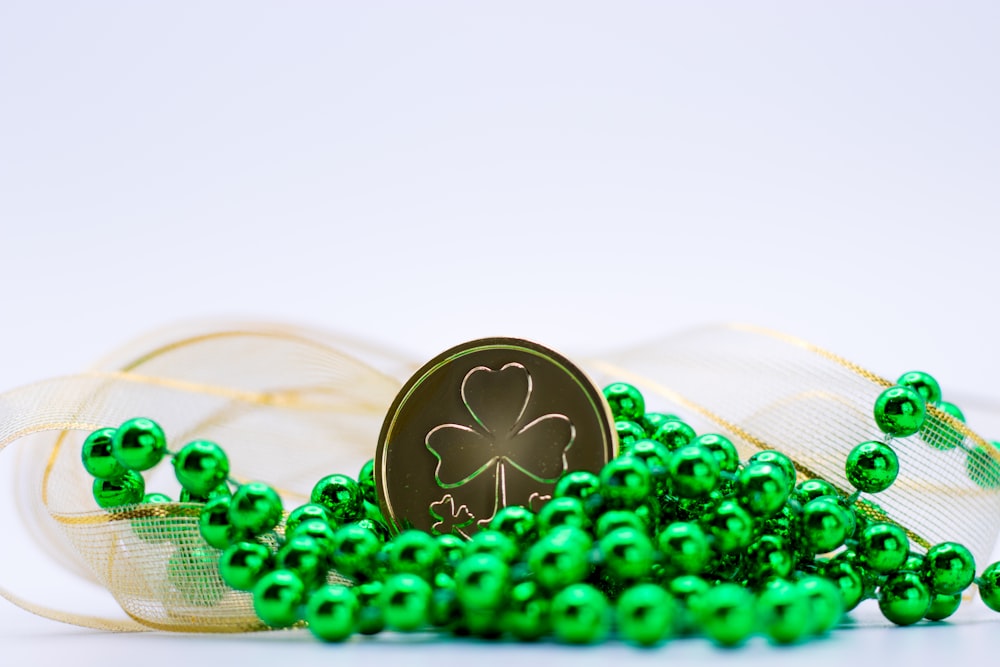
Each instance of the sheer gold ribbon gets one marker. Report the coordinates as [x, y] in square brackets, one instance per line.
[290, 405]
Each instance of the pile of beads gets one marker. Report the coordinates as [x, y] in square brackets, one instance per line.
[674, 536]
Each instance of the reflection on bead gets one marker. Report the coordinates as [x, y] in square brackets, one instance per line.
[96, 455]
[354, 550]
[366, 481]
[948, 568]
[243, 564]
[943, 606]
[580, 615]
[406, 602]
[674, 434]
[825, 524]
[304, 513]
[489, 541]
[626, 401]
[332, 612]
[847, 577]
[125, 490]
[560, 558]
[694, 472]
[645, 614]
[565, 511]
[726, 614]
[415, 552]
[518, 523]
[777, 458]
[684, 548]
[924, 384]
[305, 557]
[883, 547]
[731, 526]
[340, 495]
[201, 466]
[723, 450]
[872, 467]
[371, 620]
[255, 508]
[899, 411]
[810, 489]
[628, 433]
[277, 596]
[903, 598]
[627, 554]
[214, 523]
[139, 444]
[784, 612]
[768, 557]
[762, 488]
[580, 484]
[481, 582]
[826, 604]
[989, 586]
[625, 481]
[652, 421]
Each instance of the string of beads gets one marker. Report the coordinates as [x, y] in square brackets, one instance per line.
[674, 537]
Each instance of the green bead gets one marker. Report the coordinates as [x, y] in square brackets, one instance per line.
[332, 612]
[914, 563]
[193, 572]
[848, 580]
[769, 557]
[565, 511]
[526, 615]
[731, 527]
[452, 551]
[139, 444]
[371, 619]
[694, 472]
[924, 384]
[903, 598]
[304, 513]
[518, 523]
[321, 532]
[625, 482]
[674, 434]
[406, 600]
[784, 612]
[580, 615]
[579, 484]
[489, 541]
[482, 582]
[201, 466]
[627, 554]
[948, 568]
[762, 488]
[559, 559]
[277, 597]
[726, 614]
[872, 467]
[899, 411]
[687, 590]
[653, 454]
[366, 481]
[305, 557]
[645, 614]
[883, 547]
[415, 552]
[341, 496]
[722, 448]
[825, 524]
[983, 468]
[354, 550]
[214, 523]
[943, 606]
[614, 519]
[445, 612]
[125, 490]
[953, 410]
[811, 489]
[97, 457]
[255, 508]
[628, 433]
[153, 526]
[243, 564]
[220, 491]
[826, 604]
[378, 527]
[989, 586]
[653, 420]
[684, 547]
[775, 457]
[626, 401]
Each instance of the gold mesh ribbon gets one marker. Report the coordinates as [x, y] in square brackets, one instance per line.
[290, 405]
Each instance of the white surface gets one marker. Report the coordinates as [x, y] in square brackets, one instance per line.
[586, 174]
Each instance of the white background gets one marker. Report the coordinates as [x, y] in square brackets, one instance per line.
[586, 174]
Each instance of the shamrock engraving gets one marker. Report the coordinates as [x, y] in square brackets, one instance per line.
[450, 518]
[496, 440]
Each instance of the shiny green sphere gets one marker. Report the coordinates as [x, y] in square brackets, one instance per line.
[277, 597]
[526, 615]
[627, 554]
[320, 531]
[899, 411]
[645, 614]
[983, 465]
[684, 548]
[883, 547]
[768, 557]
[354, 551]
[139, 444]
[445, 612]
[924, 384]
[989, 586]
[341, 496]
[811, 489]
[775, 457]
[153, 527]
[489, 541]
[406, 600]
[872, 467]
[655, 455]
[97, 457]
[560, 559]
[904, 599]
[628, 433]
[726, 614]
[415, 552]
[674, 434]
[826, 603]
[694, 472]
[579, 484]
[731, 527]
[332, 612]
[825, 524]
[366, 481]
[214, 523]
[687, 591]
[722, 448]
[482, 582]
[201, 466]
[371, 620]
[255, 508]
[948, 568]
[847, 578]
[304, 513]
[784, 612]
[580, 615]
[952, 410]
[653, 420]
[762, 488]
[625, 482]
[518, 523]
[626, 402]
[614, 519]
[128, 489]
[452, 551]
[243, 564]
[219, 491]
[943, 606]
[563, 511]
[304, 556]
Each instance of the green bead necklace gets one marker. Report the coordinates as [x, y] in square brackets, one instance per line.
[675, 536]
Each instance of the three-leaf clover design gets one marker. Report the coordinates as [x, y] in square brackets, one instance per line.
[497, 439]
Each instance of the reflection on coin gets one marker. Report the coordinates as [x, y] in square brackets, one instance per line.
[486, 424]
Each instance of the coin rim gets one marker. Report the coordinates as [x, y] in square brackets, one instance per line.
[589, 387]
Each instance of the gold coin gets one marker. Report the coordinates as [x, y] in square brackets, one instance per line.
[487, 424]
